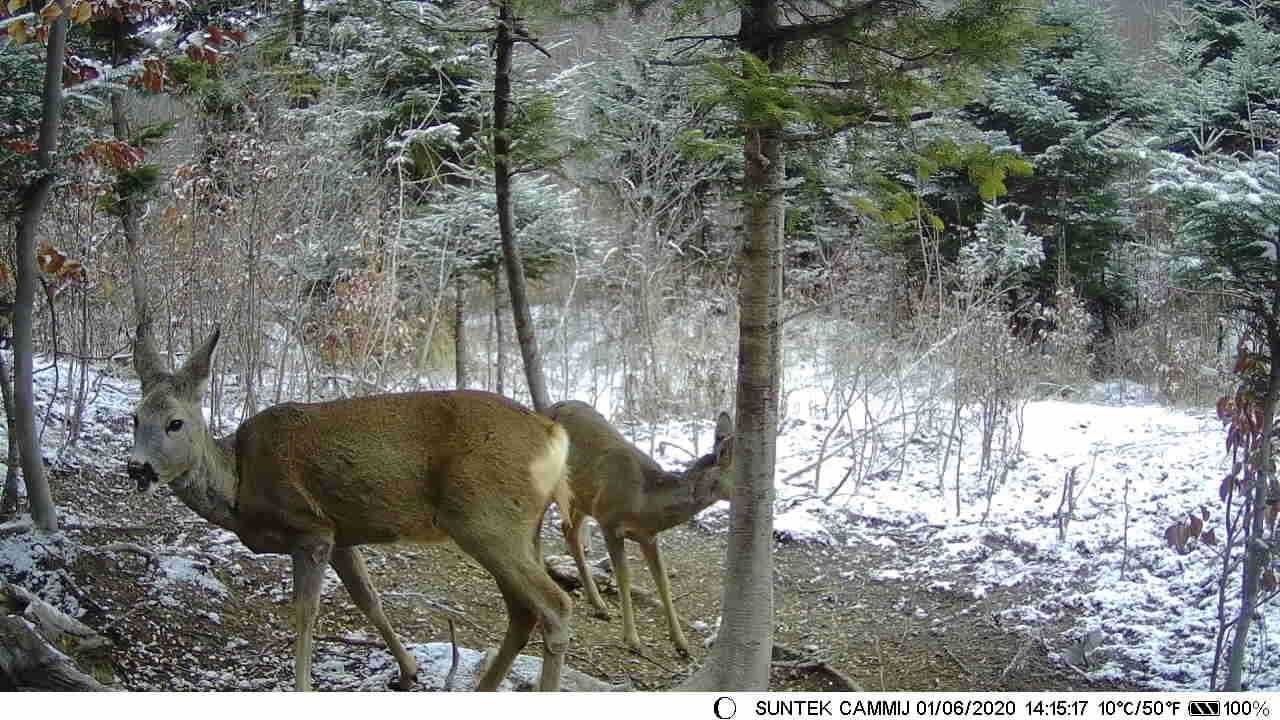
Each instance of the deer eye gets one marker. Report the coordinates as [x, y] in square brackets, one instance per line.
[174, 426]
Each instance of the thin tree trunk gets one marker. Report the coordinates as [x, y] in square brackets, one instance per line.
[297, 21]
[129, 205]
[505, 45]
[460, 360]
[741, 657]
[9, 498]
[499, 344]
[34, 200]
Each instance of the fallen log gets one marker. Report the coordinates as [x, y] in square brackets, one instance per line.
[29, 662]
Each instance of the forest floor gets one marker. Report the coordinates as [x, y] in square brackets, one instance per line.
[202, 613]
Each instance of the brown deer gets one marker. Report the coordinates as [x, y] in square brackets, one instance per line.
[631, 496]
[314, 481]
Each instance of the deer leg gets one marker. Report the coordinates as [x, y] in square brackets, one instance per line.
[520, 622]
[531, 596]
[618, 555]
[573, 532]
[349, 563]
[658, 570]
[309, 562]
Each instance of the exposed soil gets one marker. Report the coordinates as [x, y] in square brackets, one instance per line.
[884, 635]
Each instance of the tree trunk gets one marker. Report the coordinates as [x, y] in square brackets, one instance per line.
[9, 498]
[740, 659]
[505, 46]
[460, 333]
[129, 221]
[33, 202]
[129, 205]
[297, 20]
[499, 353]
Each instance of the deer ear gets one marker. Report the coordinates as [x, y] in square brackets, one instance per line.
[724, 453]
[146, 361]
[193, 375]
[724, 428]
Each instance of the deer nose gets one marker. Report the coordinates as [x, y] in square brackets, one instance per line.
[143, 474]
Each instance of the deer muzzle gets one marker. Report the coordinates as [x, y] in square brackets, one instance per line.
[143, 474]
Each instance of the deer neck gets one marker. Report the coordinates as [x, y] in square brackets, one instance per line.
[210, 487]
[676, 497]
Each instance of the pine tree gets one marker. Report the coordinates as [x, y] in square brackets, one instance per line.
[808, 76]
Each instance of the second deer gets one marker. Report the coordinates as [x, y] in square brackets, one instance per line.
[631, 496]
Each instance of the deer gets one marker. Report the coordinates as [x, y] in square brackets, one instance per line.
[631, 496]
[315, 481]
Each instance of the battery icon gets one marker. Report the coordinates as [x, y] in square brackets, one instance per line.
[1204, 708]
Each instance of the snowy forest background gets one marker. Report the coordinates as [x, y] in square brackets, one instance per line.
[1029, 309]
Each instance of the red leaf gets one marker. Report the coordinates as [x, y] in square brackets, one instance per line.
[21, 147]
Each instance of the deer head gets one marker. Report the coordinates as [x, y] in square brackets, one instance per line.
[168, 425]
[720, 462]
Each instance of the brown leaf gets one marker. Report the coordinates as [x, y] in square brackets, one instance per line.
[82, 13]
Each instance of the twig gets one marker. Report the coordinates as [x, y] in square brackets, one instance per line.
[1083, 674]
[453, 662]
[128, 547]
[80, 594]
[643, 654]
[880, 655]
[1019, 659]
[445, 609]
[956, 660]
[353, 641]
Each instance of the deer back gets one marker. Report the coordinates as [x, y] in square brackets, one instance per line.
[382, 468]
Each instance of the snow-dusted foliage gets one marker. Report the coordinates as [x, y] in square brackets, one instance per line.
[1230, 213]
[1002, 246]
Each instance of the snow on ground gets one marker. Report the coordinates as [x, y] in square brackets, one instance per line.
[1155, 609]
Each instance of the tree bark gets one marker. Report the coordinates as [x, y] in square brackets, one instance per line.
[504, 48]
[129, 205]
[9, 498]
[740, 659]
[35, 197]
[460, 359]
[297, 21]
[499, 335]
[27, 662]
